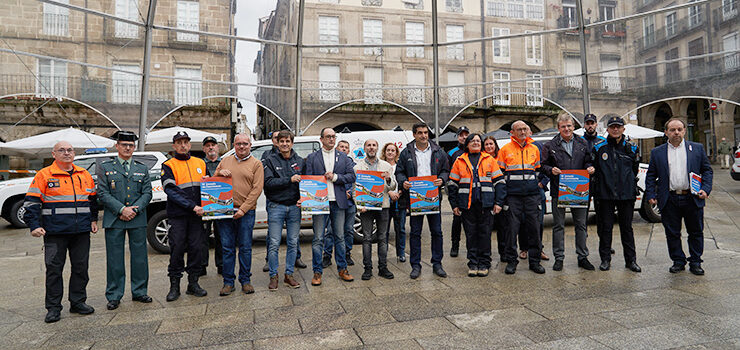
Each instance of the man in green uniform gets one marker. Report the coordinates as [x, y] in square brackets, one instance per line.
[124, 189]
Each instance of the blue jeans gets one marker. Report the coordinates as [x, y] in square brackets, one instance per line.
[336, 215]
[279, 214]
[237, 233]
[349, 232]
[435, 226]
[267, 240]
[398, 216]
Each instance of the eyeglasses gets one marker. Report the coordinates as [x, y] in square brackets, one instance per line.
[127, 145]
[241, 144]
[65, 150]
[330, 136]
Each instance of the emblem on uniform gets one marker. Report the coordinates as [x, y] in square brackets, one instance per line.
[604, 156]
[199, 171]
[162, 173]
[52, 183]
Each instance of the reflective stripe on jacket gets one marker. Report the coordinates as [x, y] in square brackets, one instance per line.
[181, 183]
[461, 184]
[520, 164]
[60, 202]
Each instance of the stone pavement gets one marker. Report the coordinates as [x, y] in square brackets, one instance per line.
[572, 309]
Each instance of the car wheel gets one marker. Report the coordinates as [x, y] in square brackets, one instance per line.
[16, 214]
[649, 212]
[358, 236]
[157, 232]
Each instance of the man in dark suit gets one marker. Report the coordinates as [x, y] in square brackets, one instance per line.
[668, 184]
[338, 170]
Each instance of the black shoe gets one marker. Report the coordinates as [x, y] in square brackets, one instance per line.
[612, 251]
[300, 264]
[439, 271]
[585, 264]
[113, 304]
[82, 309]
[52, 316]
[143, 299]
[327, 261]
[696, 269]
[510, 268]
[349, 260]
[454, 251]
[605, 265]
[195, 289]
[220, 270]
[633, 266]
[385, 273]
[677, 267]
[266, 268]
[368, 274]
[415, 272]
[537, 268]
[174, 293]
[558, 265]
[401, 258]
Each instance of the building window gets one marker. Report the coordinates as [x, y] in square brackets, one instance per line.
[371, 2]
[328, 33]
[329, 80]
[696, 66]
[610, 80]
[672, 69]
[373, 81]
[519, 9]
[535, 9]
[56, 19]
[496, 8]
[570, 15]
[455, 33]
[453, 6]
[415, 78]
[534, 90]
[126, 87]
[533, 45]
[516, 9]
[413, 4]
[127, 9]
[731, 42]
[729, 9]
[695, 15]
[188, 17]
[648, 30]
[502, 88]
[456, 95]
[52, 78]
[414, 35]
[573, 68]
[607, 14]
[651, 71]
[670, 24]
[190, 91]
[372, 33]
[501, 47]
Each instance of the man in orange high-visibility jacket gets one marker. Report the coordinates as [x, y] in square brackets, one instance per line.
[181, 177]
[520, 161]
[62, 206]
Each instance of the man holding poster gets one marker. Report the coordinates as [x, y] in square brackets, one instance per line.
[374, 180]
[247, 177]
[422, 157]
[566, 152]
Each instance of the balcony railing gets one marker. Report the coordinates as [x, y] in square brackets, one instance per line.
[56, 24]
[612, 30]
[188, 40]
[662, 36]
[117, 32]
[725, 15]
[566, 22]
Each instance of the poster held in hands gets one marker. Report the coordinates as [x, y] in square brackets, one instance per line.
[216, 198]
[695, 183]
[314, 195]
[573, 189]
[423, 195]
[369, 187]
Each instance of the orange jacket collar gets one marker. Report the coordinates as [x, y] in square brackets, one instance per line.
[527, 141]
[56, 170]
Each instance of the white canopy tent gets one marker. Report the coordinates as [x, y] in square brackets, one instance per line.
[633, 131]
[42, 144]
[161, 140]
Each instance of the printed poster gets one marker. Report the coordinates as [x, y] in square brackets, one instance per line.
[369, 187]
[423, 195]
[695, 183]
[216, 198]
[573, 190]
[314, 195]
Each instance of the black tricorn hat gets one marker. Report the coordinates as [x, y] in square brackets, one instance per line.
[122, 135]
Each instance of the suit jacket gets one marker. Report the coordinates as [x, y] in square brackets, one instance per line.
[118, 189]
[657, 182]
[343, 168]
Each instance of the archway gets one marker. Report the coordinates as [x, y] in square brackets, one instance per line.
[353, 101]
[507, 126]
[66, 98]
[356, 126]
[662, 114]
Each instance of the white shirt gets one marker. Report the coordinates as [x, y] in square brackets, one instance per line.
[329, 166]
[679, 173]
[423, 161]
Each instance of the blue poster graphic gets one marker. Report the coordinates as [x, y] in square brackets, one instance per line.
[573, 190]
[314, 195]
[369, 187]
[423, 195]
[216, 198]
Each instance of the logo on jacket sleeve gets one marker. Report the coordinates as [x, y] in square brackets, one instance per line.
[604, 156]
[52, 183]
[199, 170]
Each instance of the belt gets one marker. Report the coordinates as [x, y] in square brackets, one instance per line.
[680, 193]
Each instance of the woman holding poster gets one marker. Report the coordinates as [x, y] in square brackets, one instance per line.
[476, 191]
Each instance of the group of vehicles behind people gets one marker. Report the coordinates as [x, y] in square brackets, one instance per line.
[488, 188]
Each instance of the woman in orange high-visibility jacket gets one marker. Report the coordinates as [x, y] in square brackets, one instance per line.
[477, 192]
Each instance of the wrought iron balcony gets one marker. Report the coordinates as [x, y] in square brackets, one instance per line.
[189, 41]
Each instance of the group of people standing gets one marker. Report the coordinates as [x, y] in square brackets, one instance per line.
[489, 188]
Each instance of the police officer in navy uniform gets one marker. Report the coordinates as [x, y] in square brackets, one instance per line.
[181, 177]
[212, 159]
[125, 190]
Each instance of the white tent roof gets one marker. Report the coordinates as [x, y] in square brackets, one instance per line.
[43, 144]
[161, 140]
[634, 132]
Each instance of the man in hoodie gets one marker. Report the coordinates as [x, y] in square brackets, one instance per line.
[462, 134]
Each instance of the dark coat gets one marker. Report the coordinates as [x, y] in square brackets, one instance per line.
[657, 183]
[617, 163]
[406, 168]
[278, 171]
[343, 168]
[553, 155]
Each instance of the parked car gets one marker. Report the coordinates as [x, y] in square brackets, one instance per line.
[735, 170]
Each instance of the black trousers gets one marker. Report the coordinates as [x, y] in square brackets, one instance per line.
[55, 255]
[478, 222]
[524, 217]
[208, 227]
[683, 207]
[185, 236]
[456, 231]
[500, 225]
[605, 213]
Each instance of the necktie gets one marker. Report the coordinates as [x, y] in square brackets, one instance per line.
[125, 166]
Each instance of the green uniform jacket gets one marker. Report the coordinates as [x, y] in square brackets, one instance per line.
[118, 189]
